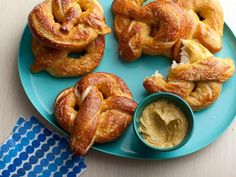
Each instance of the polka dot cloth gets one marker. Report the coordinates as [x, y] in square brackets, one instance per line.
[33, 150]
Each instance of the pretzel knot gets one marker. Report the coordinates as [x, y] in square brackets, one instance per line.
[152, 29]
[158, 27]
[98, 109]
[198, 78]
[59, 63]
[67, 24]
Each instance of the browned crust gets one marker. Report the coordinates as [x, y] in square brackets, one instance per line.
[86, 123]
[134, 33]
[199, 98]
[204, 99]
[175, 20]
[119, 110]
[181, 88]
[104, 82]
[207, 31]
[59, 64]
[102, 116]
[199, 81]
[210, 69]
[69, 35]
[64, 112]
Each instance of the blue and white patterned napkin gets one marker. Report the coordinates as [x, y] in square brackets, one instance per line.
[33, 150]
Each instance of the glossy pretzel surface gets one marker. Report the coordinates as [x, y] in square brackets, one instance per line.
[152, 29]
[158, 27]
[67, 24]
[204, 24]
[58, 62]
[198, 78]
[97, 109]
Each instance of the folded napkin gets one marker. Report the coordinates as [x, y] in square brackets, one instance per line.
[33, 150]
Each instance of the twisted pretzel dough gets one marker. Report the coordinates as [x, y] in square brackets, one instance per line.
[158, 27]
[152, 29]
[204, 24]
[59, 64]
[198, 78]
[98, 109]
[67, 24]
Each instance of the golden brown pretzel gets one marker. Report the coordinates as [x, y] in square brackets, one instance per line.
[152, 29]
[67, 24]
[59, 64]
[198, 78]
[201, 21]
[204, 23]
[98, 109]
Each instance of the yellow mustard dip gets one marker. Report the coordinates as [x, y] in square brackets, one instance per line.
[163, 124]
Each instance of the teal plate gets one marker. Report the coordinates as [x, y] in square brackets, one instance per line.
[42, 89]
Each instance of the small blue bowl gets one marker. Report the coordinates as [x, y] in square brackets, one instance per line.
[179, 102]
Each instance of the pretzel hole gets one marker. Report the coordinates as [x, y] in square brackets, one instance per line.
[104, 96]
[103, 91]
[76, 107]
[195, 88]
[201, 18]
[57, 21]
[76, 55]
[154, 30]
[83, 9]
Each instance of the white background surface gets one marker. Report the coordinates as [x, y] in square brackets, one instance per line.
[217, 160]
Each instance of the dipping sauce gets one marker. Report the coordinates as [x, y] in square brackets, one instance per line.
[163, 124]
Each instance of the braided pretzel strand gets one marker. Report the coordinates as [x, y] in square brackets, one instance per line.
[59, 64]
[98, 109]
[198, 78]
[67, 24]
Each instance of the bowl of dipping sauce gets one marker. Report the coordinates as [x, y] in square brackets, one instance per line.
[163, 121]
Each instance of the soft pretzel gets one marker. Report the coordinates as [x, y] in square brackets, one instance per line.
[152, 29]
[98, 109]
[198, 78]
[59, 64]
[158, 27]
[67, 24]
[204, 24]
